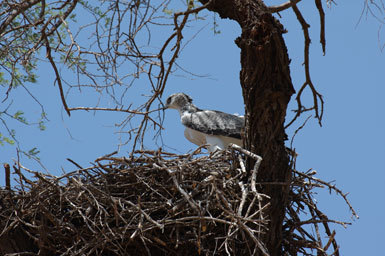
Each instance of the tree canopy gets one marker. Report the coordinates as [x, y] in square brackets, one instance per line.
[118, 56]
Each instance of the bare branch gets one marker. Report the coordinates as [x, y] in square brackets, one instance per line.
[282, 7]
[318, 103]
[58, 78]
[322, 23]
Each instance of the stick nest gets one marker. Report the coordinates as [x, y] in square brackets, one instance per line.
[155, 203]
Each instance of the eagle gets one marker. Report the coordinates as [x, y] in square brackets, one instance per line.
[207, 127]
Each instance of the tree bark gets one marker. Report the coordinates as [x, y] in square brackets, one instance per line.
[267, 88]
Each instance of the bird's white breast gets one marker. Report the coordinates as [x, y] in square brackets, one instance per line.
[215, 142]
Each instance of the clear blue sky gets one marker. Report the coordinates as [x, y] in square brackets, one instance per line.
[349, 148]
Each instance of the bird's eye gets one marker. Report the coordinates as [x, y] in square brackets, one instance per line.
[168, 101]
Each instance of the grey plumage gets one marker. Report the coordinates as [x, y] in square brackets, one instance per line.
[214, 123]
[226, 127]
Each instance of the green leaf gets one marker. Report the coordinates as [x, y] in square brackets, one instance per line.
[6, 139]
[19, 117]
[190, 4]
[33, 152]
[168, 11]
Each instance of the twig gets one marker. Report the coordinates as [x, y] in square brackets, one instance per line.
[331, 187]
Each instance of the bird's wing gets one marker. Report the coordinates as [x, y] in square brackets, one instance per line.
[195, 137]
[214, 123]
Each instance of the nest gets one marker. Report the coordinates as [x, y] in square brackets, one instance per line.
[155, 203]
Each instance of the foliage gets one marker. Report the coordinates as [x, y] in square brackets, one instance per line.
[109, 47]
[4, 139]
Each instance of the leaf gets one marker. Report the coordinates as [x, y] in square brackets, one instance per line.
[6, 139]
[168, 11]
[33, 152]
[19, 117]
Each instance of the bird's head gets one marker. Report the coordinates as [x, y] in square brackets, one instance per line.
[178, 101]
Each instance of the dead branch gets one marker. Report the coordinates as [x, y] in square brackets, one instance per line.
[318, 103]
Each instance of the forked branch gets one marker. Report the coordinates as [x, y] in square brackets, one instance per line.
[318, 103]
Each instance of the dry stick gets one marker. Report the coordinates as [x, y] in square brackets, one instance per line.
[315, 224]
[248, 231]
[240, 223]
[331, 187]
[322, 216]
[256, 165]
[74, 163]
[244, 151]
[191, 202]
[253, 178]
[7, 177]
[297, 130]
[242, 164]
[22, 177]
[243, 200]
[116, 109]
[146, 215]
[315, 221]
[254, 174]
[331, 239]
[301, 231]
[250, 206]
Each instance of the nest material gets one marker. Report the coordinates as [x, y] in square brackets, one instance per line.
[155, 203]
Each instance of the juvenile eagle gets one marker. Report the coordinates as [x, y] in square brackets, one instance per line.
[215, 128]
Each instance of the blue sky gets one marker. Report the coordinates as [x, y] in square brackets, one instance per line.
[349, 148]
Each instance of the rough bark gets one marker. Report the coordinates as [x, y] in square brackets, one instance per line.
[267, 88]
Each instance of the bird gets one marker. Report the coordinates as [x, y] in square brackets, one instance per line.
[207, 127]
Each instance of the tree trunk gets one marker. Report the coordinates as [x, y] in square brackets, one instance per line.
[267, 88]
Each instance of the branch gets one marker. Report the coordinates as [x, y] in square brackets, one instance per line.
[316, 95]
[331, 187]
[282, 7]
[113, 109]
[318, 3]
[58, 79]
[15, 12]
